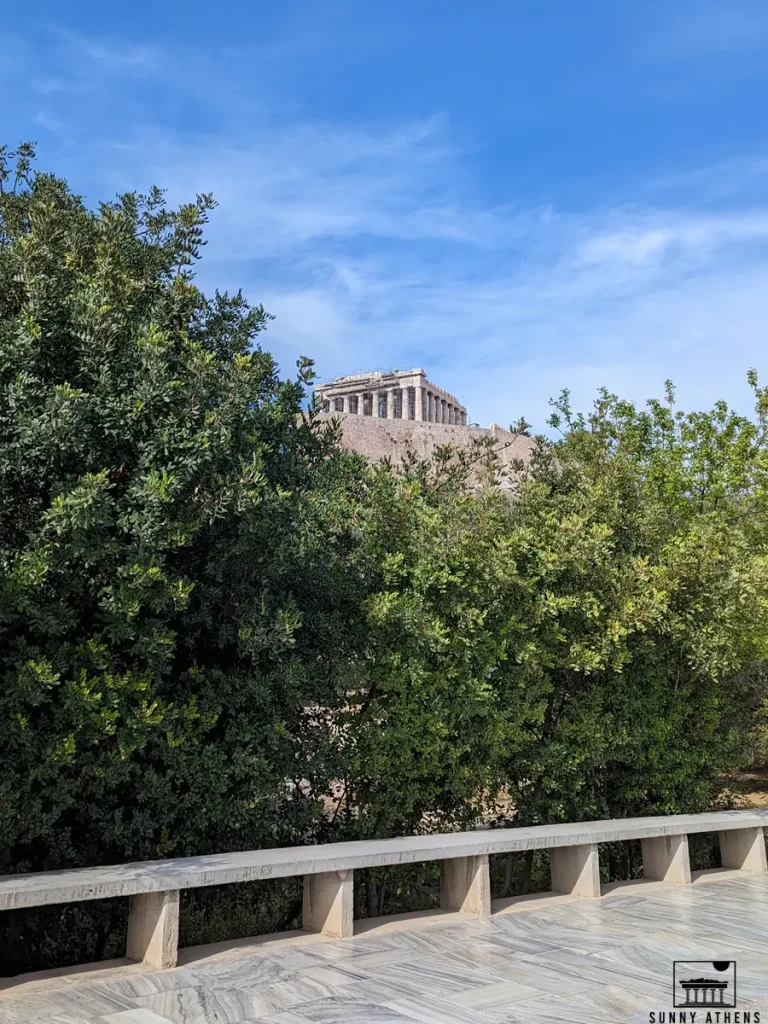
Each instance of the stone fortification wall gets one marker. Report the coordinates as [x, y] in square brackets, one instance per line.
[377, 438]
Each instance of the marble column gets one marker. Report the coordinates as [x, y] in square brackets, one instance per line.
[418, 404]
[361, 404]
[391, 404]
[443, 410]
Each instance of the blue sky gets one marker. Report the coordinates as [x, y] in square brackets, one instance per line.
[518, 197]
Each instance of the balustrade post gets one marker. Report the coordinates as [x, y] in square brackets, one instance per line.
[575, 869]
[153, 929]
[744, 848]
[465, 885]
[329, 903]
[666, 859]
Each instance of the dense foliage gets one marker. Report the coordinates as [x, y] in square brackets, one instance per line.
[220, 630]
[648, 632]
[163, 545]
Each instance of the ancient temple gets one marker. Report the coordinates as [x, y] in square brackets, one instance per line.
[386, 415]
[399, 395]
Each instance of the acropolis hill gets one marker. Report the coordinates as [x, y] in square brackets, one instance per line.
[386, 414]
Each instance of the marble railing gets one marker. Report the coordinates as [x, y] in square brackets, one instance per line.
[155, 886]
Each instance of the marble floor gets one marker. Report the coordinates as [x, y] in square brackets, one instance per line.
[605, 960]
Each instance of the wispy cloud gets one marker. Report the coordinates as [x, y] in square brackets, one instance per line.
[705, 29]
[110, 57]
[736, 175]
[376, 246]
[654, 236]
[320, 182]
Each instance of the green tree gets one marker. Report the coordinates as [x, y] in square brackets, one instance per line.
[167, 546]
[424, 725]
[640, 536]
[423, 739]
[589, 643]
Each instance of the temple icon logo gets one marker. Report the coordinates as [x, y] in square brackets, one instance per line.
[704, 983]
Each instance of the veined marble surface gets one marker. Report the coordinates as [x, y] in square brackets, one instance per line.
[607, 960]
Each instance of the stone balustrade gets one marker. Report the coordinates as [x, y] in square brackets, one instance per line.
[328, 871]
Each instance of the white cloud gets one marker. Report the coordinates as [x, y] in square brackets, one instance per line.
[375, 246]
[506, 306]
[310, 183]
[655, 235]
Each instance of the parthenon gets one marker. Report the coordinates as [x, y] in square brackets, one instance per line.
[399, 395]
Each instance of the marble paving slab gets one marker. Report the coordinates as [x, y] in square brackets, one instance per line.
[289, 1017]
[607, 960]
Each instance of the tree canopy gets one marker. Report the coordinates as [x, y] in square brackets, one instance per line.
[163, 543]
